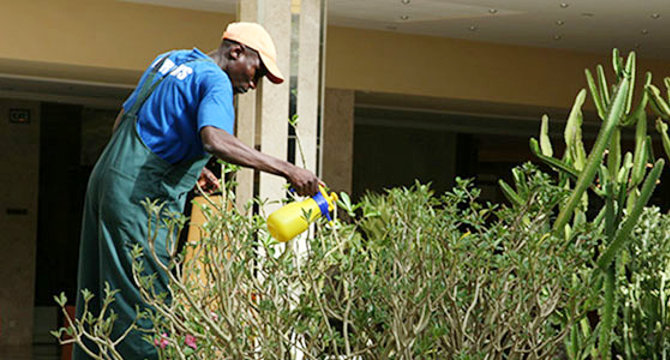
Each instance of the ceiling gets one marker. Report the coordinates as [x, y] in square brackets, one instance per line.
[582, 25]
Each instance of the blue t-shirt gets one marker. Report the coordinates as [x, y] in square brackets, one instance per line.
[193, 94]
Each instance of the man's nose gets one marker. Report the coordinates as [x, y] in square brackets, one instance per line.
[252, 84]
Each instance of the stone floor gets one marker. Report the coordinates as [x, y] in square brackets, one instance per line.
[36, 352]
[44, 345]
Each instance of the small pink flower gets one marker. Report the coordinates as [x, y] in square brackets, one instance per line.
[163, 342]
[190, 341]
[215, 316]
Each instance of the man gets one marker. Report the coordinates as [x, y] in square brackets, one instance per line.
[180, 114]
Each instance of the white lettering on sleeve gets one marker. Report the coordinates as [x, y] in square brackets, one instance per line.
[181, 72]
[167, 65]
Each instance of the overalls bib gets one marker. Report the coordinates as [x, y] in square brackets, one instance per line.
[114, 221]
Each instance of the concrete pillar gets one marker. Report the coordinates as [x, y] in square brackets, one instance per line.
[338, 139]
[270, 108]
[246, 116]
[19, 176]
[309, 84]
[262, 118]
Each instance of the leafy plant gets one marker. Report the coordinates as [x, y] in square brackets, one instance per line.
[644, 290]
[414, 275]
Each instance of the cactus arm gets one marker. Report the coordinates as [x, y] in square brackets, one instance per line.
[632, 198]
[574, 122]
[662, 129]
[608, 309]
[545, 142]
[510, 194]
[621, 200]
[617, 63]
[602, 82]
[658, 104]
[623, 233]
[630, 69]
[599, 218]
[607, 317]
[666, 81]
[650, 150]
[573, 132]
[565, 169]
[625, 169]
[595, 94]
[520, 181]
[603, 177]
[640, 155]
[613, 117]
[555, 163]
[633, 116]
[614, 154]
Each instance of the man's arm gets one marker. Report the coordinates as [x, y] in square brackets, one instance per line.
[230, 149]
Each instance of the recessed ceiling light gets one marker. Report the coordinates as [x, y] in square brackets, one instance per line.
[560, 22]
[405, 2]
[472, 28]
[493, 11]
[644, 32]
[564, 5]
[404, 17]
[655, 15]
[558, 37]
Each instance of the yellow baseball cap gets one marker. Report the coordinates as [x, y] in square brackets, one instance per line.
[254, 36]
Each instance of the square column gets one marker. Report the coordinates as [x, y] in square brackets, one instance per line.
[262, 115]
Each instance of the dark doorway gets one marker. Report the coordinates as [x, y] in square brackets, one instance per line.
[386, 157]
[61, 185]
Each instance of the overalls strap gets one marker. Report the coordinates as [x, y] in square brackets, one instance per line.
[149, 85]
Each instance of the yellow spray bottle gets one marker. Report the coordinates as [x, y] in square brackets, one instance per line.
[286, 223]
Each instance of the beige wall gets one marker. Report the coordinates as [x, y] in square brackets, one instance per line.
[448, 68]
[19, 179]
[110, 40]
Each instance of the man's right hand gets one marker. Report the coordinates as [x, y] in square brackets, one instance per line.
[304, 182]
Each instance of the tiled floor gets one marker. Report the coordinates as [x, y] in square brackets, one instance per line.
[36, 352]
[44, 345]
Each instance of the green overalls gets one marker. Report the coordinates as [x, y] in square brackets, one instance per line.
[114, 221]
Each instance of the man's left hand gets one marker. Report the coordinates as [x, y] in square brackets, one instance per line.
[208, 181]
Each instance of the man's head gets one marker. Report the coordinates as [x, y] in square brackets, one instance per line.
[248, 54]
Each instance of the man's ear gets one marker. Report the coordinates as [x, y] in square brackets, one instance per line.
[236, 51]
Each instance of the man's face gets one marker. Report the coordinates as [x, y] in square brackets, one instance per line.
[245, 69]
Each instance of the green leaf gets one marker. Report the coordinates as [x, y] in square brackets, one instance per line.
[61, 299]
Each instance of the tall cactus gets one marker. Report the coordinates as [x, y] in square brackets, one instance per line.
[625, 186]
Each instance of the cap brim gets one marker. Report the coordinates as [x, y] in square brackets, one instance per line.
[273, 74]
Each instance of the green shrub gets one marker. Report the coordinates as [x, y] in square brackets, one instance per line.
[413, 275]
